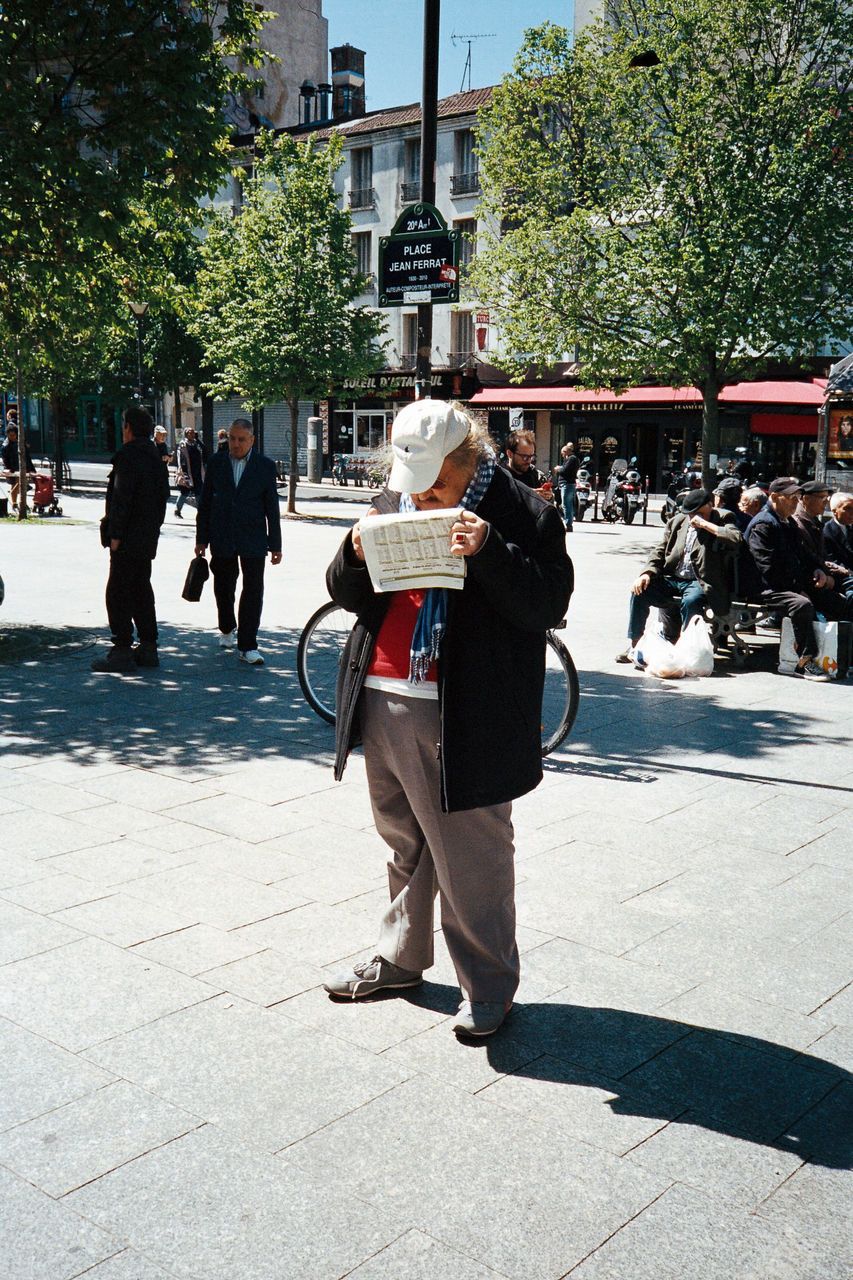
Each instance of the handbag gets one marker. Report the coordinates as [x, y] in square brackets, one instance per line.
[197, 575]
[182, 480]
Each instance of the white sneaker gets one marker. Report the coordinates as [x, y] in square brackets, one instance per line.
[252, 656]
[227, 639]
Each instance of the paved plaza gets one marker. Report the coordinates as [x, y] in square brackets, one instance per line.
[670, 1098]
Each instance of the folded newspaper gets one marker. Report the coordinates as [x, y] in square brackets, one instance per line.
[412, 551]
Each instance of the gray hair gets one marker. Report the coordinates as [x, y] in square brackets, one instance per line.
[840, 499]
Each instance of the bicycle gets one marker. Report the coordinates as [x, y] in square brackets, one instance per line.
[325, 634]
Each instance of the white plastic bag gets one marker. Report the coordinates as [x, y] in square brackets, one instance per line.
[658, 654]
[693, 649]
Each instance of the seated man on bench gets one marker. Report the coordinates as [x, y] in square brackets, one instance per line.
[688, 572]
[787, 581]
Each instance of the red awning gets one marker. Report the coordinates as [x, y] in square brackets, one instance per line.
[811, 393]
[784, 424]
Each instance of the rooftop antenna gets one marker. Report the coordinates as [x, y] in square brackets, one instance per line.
[482, 35]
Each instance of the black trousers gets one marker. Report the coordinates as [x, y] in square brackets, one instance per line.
[801, 609]
[225, 570]
[130, 599]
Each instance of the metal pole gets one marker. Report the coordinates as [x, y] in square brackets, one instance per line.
[429, 124]
[139, 356]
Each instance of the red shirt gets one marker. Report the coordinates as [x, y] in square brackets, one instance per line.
[392, 654]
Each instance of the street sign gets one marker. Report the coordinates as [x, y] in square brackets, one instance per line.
[419, 260]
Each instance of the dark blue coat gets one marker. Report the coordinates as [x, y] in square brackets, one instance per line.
[776, 552]
[243, 519]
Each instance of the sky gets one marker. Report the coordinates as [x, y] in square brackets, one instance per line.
[391, 34]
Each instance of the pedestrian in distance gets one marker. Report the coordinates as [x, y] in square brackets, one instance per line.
[446, 754]
[10, 454]
[137, 495]
[240, 520]
[190, 469]
[161, 445]
[566, 475]
[222, 440]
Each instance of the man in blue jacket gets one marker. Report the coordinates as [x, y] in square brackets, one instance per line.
[239, 518]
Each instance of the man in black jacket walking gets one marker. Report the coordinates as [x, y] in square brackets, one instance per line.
[137, 494]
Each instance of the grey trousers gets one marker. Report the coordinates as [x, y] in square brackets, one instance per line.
[466, 858]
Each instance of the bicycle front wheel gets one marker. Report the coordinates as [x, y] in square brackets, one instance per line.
[318, 657]
[561, 695]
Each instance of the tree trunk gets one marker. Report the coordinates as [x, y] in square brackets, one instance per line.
[22, 441]
[710, 427]
[176, 424]
[293, 470]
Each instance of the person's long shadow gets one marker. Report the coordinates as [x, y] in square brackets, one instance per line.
[668, 1070]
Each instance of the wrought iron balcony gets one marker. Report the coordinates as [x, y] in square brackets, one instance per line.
[456, 359]
[410, 191]
[362, 198]
[465, 184]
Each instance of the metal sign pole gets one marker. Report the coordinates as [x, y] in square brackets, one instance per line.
[429, 126]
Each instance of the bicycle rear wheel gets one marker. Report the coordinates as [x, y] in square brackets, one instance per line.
[319, 654]
[561, 696]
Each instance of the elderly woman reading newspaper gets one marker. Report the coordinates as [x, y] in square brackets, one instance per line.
[444, 689]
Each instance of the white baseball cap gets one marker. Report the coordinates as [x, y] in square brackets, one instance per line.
[422, 436]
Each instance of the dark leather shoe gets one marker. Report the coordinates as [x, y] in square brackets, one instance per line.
[116, 660]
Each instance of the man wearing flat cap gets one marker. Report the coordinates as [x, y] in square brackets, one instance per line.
[814, 496]
[838, 538]
[795, 586]
[688, 572]
[444, 690]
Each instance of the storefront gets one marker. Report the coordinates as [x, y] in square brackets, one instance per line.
[359, 427]
[661, 427]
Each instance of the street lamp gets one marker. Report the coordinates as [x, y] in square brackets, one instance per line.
[139, 309]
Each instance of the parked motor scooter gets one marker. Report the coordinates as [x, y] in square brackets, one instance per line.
[632, 493]
[681, 482]
[583, 492]
[611, 505]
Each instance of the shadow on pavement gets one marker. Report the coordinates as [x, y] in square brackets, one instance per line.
[667, 1070]
[200, 709]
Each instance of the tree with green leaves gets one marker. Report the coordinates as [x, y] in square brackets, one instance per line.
[104, 104]
[275, 300]
[672, 193]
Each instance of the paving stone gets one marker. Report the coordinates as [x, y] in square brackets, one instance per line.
[40, 1238]
[258, 1074]
[146, 789]
[202, 1207]
[589, 867]
[17, 869]
[316, 933]
[589, 918]
[582, 1104]
[436, 1053]
[836, 1047]
[117, 861]
[266, 863]
[88, 990]
[127, 1265]
[590, 977]
[700, 951]
[416, 1256]
[723, 1165]
[815, 1204]
[686, 1233]
[379, 1022]
[110, 820]
[243, 819]
[26, 933]
[38, 1076]
[84, 1139]
[125, 920]
[218, 898]
[54, 893]
[46, 796]
[545, 1210]
[196, 949]
[712, 1005]
[265, 978]
[735, 1083]
[52, 834]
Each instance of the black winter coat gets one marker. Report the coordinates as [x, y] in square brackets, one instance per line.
[491, 669]
[243, 519]
[838, 544]
[137, 495]
[776, 552]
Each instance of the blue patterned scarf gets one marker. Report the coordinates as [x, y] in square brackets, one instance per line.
[432, 615]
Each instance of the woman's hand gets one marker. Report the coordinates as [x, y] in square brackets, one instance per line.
[467, 534]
